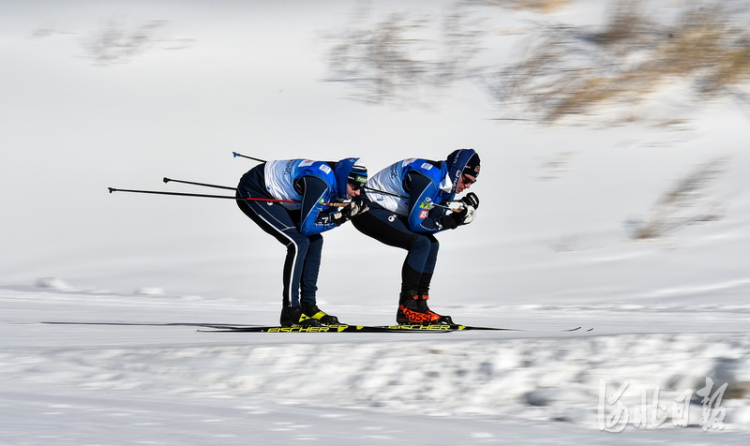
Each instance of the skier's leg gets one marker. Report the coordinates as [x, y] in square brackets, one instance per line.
[392, 230]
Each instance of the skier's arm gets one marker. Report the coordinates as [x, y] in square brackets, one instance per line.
[423, 217]
[314, 219]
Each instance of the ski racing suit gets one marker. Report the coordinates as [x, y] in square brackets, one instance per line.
[306, 188]
[402, 199]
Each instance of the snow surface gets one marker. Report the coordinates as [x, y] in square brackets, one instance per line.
[102, 295]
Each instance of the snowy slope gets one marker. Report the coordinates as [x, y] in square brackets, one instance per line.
[87, 368]
[101, 294]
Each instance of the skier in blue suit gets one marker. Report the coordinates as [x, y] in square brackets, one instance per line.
[407, 206]
[298, 204]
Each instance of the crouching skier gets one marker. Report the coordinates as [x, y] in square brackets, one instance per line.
[306, 190]
[402, 203]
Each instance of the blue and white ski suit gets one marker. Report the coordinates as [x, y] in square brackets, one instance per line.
[304, 188]
[402, 199]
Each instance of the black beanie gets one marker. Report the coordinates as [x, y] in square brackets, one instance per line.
[472, 167]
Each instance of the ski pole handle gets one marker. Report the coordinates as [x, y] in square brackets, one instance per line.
[235, 155]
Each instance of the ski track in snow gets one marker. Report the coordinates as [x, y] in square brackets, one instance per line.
[107, 352]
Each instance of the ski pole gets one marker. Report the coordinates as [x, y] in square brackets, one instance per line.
[182, 194]
[167, 180]
[406, 198]
[385, 193]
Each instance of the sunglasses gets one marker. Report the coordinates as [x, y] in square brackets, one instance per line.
[468, 180]
[355, 185]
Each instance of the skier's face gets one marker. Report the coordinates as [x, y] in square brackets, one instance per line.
[465, 182]
[352, 191]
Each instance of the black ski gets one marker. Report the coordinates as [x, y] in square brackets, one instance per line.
[340, 328]
[345, 328]
[456, 327]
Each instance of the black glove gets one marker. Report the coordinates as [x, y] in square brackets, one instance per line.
[471, 199]
[465, 215]
[355, 207]
[459, 218]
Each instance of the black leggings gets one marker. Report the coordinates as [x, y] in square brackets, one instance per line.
[303, 254]
[392, 230]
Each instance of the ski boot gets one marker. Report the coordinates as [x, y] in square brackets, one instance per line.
[423, 305]
[295, 316]
[413, 310]
[310, 311]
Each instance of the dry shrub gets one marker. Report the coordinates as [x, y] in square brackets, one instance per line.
[535, 5]
[687, 202]
[379, 59]
[569, 71]
[615, 73]
[116, 44]
[397, 57]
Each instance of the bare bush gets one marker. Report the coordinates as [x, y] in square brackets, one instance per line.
[116, 44]
[620, 72]
[536, 5]
[687, 202]
[395, 58]
[378, 60]
[569, 71]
